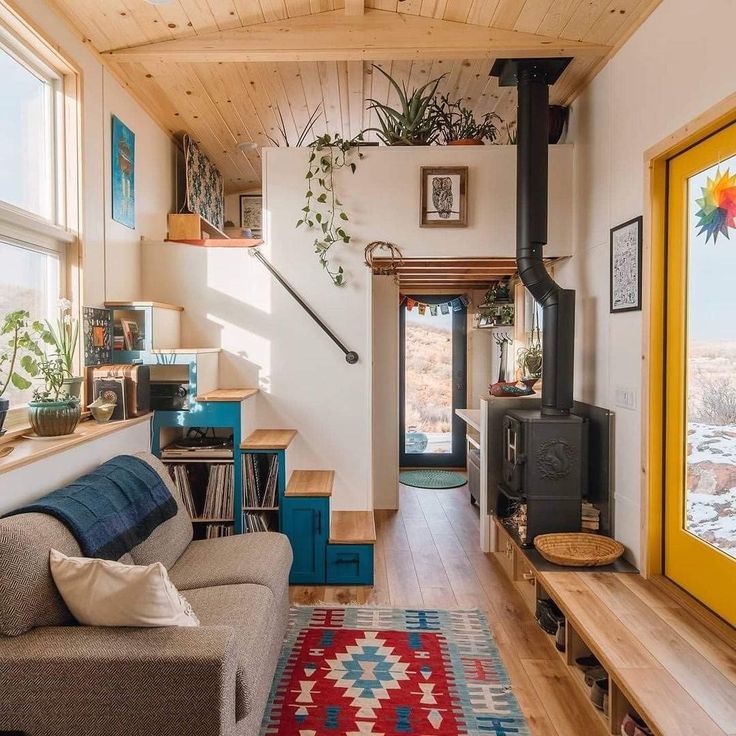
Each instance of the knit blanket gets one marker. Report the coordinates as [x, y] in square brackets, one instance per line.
[112, 509]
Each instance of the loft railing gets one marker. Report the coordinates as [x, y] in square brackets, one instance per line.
[350, 355]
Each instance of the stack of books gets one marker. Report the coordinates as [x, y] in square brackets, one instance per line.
[261, 481]
[181, 479]
[218, 500]
[591, 517]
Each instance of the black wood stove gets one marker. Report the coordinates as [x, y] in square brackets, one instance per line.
[545, 451]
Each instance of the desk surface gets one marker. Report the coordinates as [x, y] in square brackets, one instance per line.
[471, 417]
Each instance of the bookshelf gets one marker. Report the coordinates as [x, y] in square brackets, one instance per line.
[264, 485]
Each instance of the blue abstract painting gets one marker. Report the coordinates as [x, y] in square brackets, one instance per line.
[123, 173]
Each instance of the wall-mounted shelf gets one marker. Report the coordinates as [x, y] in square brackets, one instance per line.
[188, 229]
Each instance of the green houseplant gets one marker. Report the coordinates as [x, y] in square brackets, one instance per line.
[63, 337]
[323, 209]
[54, 411]
[413, 123]
[458, 126]
[17, 347]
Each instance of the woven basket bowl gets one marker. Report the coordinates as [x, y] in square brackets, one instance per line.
[578, 550]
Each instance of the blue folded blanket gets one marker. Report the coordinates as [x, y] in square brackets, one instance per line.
[112, 509]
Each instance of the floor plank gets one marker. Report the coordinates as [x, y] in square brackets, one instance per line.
[427, 554]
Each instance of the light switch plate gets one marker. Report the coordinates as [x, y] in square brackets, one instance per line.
[627, 397]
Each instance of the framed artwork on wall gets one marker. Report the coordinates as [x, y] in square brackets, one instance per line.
[444, 201]
[626, 254]
[251, 213]
[123, 173]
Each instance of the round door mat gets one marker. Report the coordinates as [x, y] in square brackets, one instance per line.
[432, 479]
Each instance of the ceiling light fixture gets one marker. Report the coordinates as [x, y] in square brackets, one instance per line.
[158, 2]
[245, 146]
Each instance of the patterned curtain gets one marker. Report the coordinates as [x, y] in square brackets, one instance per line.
[205, 185]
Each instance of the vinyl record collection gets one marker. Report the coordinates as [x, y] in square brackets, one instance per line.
[256, 523]
[214, 531]
[261, 479]
[218, 494]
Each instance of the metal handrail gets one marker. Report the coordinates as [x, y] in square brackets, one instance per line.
[350, 355]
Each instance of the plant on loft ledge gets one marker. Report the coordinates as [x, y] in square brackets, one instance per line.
[323, 209]
[414, 123]
[458, 126]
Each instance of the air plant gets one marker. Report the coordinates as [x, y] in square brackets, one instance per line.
[414, 123]
[313, 118]
[455, 122]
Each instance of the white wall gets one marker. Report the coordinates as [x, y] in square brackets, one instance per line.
[671, 70]
[112, 251]
[32, 481]
[268, 341]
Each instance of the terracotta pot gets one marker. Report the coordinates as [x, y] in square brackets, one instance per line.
[53, 418]
[467, 142]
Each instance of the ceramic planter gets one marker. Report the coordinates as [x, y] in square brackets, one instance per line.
[73, 386]
[4, 407]
[53, 418]
[467, 142]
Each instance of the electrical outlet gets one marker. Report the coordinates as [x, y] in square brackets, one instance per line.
[626, 397]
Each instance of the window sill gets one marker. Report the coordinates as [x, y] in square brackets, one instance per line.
[27, 451]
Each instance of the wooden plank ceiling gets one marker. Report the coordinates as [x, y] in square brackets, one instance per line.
[464, 274]
[222, 70]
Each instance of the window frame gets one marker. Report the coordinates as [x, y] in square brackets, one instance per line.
[60, 234]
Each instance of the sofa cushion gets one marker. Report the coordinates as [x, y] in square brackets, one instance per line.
[28, 596]
[168, 540]
[262, 558]
[251, 611]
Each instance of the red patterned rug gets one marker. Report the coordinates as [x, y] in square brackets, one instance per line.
[378, 672]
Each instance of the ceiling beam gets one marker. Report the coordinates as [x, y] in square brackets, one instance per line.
[354, 7]
[376, 35]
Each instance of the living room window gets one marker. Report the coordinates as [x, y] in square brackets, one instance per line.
[39, 188]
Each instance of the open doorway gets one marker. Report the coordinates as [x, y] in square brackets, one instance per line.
[432, 381]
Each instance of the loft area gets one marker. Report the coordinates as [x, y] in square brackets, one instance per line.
[365, 368]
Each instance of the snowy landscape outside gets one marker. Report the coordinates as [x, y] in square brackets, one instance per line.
[710, 512]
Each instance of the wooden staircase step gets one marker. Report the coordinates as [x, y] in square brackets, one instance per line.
[311, 483]
[268, 439]
[352, 527]
[228, 394]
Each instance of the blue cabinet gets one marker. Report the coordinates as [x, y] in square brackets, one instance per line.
[349, 564]
[306, 522]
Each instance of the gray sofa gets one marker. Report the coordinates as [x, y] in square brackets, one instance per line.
[59, 679]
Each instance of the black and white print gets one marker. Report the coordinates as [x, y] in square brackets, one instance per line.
[626, 266]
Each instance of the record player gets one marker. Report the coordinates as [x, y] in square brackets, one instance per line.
[199, 443]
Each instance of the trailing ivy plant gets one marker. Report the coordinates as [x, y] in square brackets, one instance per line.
[323, 210]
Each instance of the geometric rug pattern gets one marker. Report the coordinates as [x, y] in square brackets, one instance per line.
[360, 671]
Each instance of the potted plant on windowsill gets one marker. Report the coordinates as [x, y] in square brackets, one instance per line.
[14, 352]
[54, 412]
[458, 126]
[63, 337]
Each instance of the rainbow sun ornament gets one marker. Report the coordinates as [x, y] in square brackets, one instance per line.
[717, 213]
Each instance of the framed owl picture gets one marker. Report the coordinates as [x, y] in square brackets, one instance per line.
[444, 197]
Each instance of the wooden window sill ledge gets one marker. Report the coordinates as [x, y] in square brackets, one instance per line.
[26, 451]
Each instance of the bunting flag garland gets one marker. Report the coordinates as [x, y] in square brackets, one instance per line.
[454, 305]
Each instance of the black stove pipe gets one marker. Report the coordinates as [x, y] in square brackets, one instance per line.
[532, 78]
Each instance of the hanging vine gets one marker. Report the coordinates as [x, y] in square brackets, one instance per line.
[323, 209]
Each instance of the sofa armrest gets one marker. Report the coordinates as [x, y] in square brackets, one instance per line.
[92, 680]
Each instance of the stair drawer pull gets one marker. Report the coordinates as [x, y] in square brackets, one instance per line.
[319, 522]
[346, 561]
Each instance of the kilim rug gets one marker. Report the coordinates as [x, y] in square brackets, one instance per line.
[359, 671]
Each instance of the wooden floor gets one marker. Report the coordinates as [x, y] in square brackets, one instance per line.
[427, 555]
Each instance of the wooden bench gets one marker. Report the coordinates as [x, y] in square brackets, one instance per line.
[675, 668]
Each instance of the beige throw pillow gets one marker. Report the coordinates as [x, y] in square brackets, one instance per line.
[108, 593]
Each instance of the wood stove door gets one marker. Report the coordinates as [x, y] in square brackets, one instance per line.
[432, 381]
